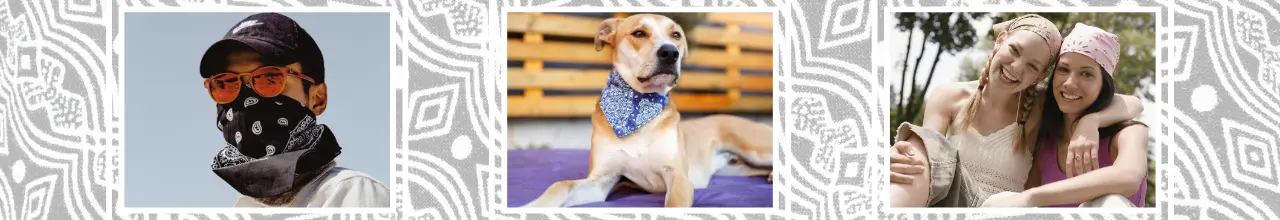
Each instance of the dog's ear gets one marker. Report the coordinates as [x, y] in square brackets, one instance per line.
[605, 35]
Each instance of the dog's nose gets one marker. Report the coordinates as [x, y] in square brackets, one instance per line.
[668, 53]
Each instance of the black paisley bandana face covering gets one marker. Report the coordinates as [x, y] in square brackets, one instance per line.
[272, 145]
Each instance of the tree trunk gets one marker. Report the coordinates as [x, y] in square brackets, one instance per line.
[916, 110]
[915, 70]
[906, 58]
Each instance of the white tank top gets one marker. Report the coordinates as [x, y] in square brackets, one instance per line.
[988, 164]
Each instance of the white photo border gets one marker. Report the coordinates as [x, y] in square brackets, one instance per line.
[393, 86]
[503, 208]
[882, 63]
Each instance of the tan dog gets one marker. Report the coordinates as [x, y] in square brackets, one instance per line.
[665, 154]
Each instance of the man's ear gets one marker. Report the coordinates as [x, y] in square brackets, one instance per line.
[605, 35]
[318, 98]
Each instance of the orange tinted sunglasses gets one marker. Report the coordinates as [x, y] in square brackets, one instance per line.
[267, 81]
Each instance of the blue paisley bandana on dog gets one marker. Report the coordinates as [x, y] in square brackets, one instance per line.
[628, 109]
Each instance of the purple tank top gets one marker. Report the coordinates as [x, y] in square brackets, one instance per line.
[1050, 172]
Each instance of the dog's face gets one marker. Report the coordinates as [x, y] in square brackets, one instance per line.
[648, 49]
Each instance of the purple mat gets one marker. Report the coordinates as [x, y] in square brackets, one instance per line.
[532, 171]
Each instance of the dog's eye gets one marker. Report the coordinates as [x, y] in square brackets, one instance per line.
[639, 34]
[676, 35]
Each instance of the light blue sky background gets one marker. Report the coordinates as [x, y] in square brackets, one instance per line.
[170, 134]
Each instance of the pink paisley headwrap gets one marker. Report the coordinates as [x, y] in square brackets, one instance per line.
[1094, 42]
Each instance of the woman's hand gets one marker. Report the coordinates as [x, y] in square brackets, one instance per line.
[1008, 199]
[1082, 153]
[901, 164]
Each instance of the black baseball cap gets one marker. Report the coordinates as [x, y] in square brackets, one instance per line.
[276, 37]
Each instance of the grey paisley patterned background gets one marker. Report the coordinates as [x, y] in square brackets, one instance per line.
[60, 113]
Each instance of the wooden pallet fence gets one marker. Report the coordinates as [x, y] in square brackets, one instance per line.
[535, 51]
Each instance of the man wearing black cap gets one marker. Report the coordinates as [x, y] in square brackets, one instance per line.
[267, 77]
